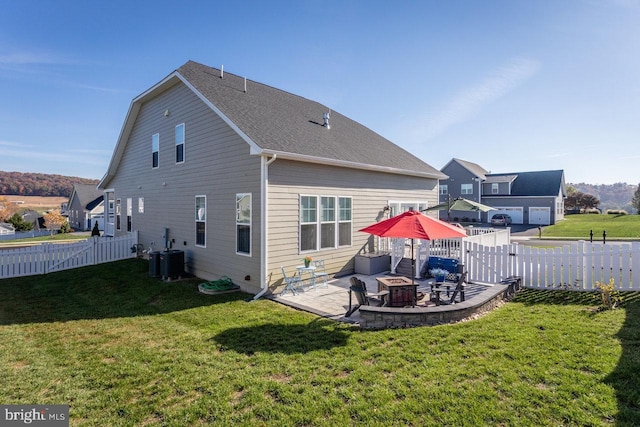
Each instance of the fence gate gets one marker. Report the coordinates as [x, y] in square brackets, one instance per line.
[49, 257]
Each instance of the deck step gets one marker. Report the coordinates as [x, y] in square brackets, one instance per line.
[404, 268]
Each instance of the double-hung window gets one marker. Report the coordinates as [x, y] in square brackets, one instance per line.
[155, 150]
[344, 221]
[325, 222]
[243, 223]
[129, 213]
[444, 189]
[180, 143]
[308, 223]
[328, 222]
[495, 188]
[201, 221]
[118, 219]
[466, 188]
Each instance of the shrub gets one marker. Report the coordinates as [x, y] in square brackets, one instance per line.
[19, 223]
[616, 212]
[592, 211]
[608, 295]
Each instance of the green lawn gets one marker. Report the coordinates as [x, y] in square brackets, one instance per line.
[123, 349]
[45, 239]
[579, 226]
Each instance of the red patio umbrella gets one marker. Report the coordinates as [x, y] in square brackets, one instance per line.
[414, 225]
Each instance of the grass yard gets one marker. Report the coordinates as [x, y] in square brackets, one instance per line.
[124, 349]
[579, 226]
[60, 237]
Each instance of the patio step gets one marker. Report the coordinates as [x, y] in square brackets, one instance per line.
[404, 268]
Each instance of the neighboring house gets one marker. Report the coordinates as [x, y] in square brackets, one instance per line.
[246, 178]
[6, 229]
[34, 218]
[85, 207]
[528, 197]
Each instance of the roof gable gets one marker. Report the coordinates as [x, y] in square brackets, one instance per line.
[474, 168]
[275, 122]
[88, 195]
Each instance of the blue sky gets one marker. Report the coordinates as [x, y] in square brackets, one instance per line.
[510, 85]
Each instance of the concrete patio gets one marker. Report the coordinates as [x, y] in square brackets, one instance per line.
[332, 301]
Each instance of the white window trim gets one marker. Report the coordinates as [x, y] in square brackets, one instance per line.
[129, 214]
[183, 143]
[118, 214]
[153, 137]
[495, 188]
[467, 185]
[196, 221]
[300, 223]
[338, 221]
[248, 254]
[444, 187]
[318, 222]
[140, 204]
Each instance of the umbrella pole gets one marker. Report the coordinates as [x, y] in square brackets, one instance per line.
[413, 275]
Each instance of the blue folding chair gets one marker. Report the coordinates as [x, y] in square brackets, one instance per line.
[290, 283]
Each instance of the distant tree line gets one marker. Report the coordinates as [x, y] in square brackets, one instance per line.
[577, 200]
[611, 196]
[39, 184]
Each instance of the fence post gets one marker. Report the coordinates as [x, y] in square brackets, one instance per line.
[94, 249]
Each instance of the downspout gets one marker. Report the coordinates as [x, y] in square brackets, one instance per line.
[264, 207]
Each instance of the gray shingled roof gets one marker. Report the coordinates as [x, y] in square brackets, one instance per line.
[281, 122]
[542, 183]
[88, 195]
[474, 168]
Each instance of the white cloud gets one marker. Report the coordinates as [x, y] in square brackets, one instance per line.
[469, 102]
[26, 58]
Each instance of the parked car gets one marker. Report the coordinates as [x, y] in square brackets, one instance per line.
[501, 219]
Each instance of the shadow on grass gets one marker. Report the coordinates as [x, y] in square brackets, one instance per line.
[564, 297]
[625, 378]
[118, 289]
[282, 338]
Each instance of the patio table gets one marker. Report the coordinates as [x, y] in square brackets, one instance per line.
[401, 291]
[311, 270]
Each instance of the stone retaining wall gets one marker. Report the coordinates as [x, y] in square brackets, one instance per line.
[406, 317]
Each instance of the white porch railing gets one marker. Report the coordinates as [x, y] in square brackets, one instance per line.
[49, 257]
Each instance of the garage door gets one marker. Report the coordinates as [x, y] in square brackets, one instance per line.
[516, 214]
[541, 216]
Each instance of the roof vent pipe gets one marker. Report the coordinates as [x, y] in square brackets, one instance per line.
[326, 117]
[245, 85]
[222, 71]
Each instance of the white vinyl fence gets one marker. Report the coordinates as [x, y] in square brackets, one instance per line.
[577, 266]
[49, 257]
[448, 248]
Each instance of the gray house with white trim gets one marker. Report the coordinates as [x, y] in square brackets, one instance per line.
[528, 197]
[246, 178]
[85, 207]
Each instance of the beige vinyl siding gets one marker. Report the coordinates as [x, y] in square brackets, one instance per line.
[370, 192]
[216, 164]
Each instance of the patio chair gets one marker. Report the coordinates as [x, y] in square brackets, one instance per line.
[290, 283]
[462, 279]
[320, 273]
[359, 289]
